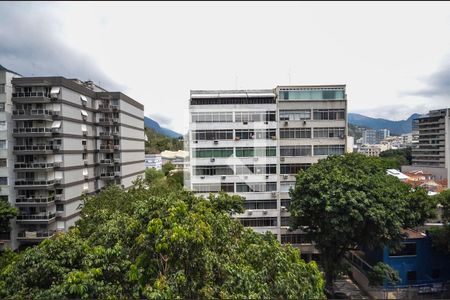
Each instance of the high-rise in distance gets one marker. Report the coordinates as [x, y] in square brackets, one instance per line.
[253, 142]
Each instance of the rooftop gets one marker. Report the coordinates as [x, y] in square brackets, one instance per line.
[2, 68]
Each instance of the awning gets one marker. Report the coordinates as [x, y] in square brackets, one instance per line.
[84, 113]
[56, 124]
[83, 98]
[83, 127]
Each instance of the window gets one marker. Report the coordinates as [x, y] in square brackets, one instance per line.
[2, 125]
[408, 249]
[255, 151]
[84, 156]
[411, 276]
[247, 134]
[83, 128]
[54, 92]
[313, 94]
[295, 115]
[295, 150]
[258, 222]
[3, 180]
[286, 203]
[59, 207]
[212, 170]
[260, 204]
[295, 133]
[293, 168]
[2, 88]
[211, 135]
[242, 187]
[3, 144]
[329, 132]
[216, 117]
[329, 149]
[256, 169]
[212, 152]
[329, 114]
[83, 142]
[2, 107]
[213, 187]
[3, 163]
[232, 101]
[295, 238]
[4, 198]
[84, 113]
[285, 186]
[256, 116]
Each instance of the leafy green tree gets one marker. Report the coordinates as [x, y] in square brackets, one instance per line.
[154, 241]
[382, 272]
[440, 236]
[156, 143]
[348, 201]
[7, 212]
[167, 167]
[395, 158]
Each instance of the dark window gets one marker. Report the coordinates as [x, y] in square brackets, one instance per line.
[292, 168]
[259, 222]
[232, 101]
[297, 238]
[407, 249]
[435, 273]
[260, 204]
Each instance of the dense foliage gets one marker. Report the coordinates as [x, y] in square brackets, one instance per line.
[156, 240]
[7, 212]
[348, 201]
[395, 158]
[156, 143]
[440, 235]
[382, 272]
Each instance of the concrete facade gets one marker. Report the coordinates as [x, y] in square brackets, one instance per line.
[69, 138]
[253, 142]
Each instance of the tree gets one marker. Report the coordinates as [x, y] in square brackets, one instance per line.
[348, 201]
[395, 158]
[167, 167]
[382, 272]
[156, 143]
[7, 212]
[154, 241]
[440, 236]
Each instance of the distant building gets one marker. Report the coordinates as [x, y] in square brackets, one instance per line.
[381, 134]
[432, 153]
[153, 161]
[369, 137]
[372, 150]
[177, 158]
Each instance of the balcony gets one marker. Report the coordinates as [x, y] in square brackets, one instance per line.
[33, 166]
[33, 149]
[107, 175]
[108, 121]
[35, 235]
[109, 148]
[34, 97]
[107, 108]
[30, 183]
[36, 218]
[106, 161]
[107, 135]
[33, 114]
[32, 131]
[22, 200]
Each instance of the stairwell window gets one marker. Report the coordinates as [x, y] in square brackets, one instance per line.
[83, 100]
[2, 88]
[2, 125]
[3, 180]
[84, 114]
[83, 128]
[2, 107]
[3, 144]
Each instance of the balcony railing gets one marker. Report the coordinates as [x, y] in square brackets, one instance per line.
[32, 112]
[32, 148]
[32, 94]
[32, 130]
[34, 199]
[25, 182]
[37, 217]
[107, 174]
[106, 161]
[36, 165]
[107, 107]
[36, 234]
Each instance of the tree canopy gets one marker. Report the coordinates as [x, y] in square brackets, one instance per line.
[157, 143]
[395, 158]
[347, 201]
[7, 212]
[440, 235]
[158, 241]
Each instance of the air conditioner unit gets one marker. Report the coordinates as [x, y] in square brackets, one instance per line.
[202, 177]
[212, 159]
[216, 142]
[267, 176]
[249, 212]
[224, 177]
[245, 123]
[286, 123]
[195, 142]
[285, 176]
[264, 212]
[237, 138]
[283, 208]
[281, 158]
[274, 194]
[304, 122]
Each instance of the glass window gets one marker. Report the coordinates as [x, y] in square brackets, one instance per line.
[293, 168]
[2, 125]
[258, 222]
[295, 133]
[285, 186]
[210, 135]
[255, 116]
[260, 204]
[329, 132]
[2, 88]
[3, 180]
[313, 94]
[2, 107]
[222, 117]
[3, 163]
[329, 149]
[329, 114]
[255, 151]
[56, 124]
[212, 170]
[295, 115]
[295, 150]
[212, 152]
[3, 144]
[408, 249]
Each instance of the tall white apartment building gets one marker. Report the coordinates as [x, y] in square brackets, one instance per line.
[66, 138]
[253, 142]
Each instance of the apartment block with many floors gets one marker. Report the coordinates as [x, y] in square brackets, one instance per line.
[253, 142]
[432, 152]
[69, 138]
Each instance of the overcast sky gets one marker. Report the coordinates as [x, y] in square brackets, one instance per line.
[394, 57]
